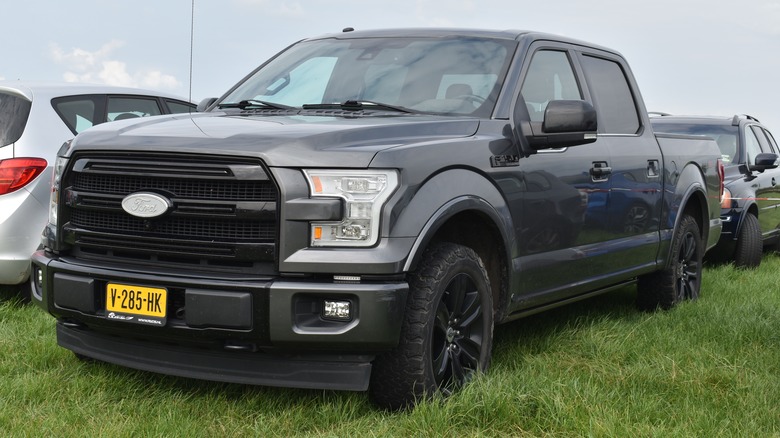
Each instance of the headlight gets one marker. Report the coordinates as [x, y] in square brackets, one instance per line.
[364, 193]
[59, 167]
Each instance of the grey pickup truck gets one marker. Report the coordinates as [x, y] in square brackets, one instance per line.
[362, 209]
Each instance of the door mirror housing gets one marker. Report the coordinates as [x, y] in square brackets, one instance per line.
[764, 161]
[566, 123]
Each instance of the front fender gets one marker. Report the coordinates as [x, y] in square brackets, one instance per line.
[443, 196]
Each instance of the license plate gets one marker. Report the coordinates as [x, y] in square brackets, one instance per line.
[138, 304]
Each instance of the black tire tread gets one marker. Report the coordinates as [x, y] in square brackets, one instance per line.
[750, 245]
[658, 289]
[399, 377]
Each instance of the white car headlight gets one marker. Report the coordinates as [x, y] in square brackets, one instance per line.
[364, 193]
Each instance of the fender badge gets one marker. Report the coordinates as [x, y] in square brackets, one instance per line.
[145, 204]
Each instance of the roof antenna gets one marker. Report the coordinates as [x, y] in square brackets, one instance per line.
[192, 39]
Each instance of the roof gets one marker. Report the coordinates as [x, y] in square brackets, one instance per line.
[709, 120]
[441, 32]
[48, 90]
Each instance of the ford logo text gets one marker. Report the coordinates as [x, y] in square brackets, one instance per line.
[145, 204]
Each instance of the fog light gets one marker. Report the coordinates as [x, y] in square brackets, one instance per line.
[338, 310]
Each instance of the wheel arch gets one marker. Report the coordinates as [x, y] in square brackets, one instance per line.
[463, 207]
[691, 198]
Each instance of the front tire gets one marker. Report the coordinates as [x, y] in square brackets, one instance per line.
[447, 331]
[681, 279]
[750, 245]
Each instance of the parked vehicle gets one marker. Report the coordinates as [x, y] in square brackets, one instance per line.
[359, 212]
[751, 206]
[35, 120]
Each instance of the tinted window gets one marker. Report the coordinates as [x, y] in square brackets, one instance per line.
[772, 141]
[611, 96]
[724, 135]
[176, 107]
[78, 112]
[121, 108]
[550, 77]
[14, 111]
[763, 141]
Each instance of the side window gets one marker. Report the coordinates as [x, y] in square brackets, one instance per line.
[78, 112]
[772, 141]
[611, 96]
[121, 108]
[177, 107]
[550, 77]
[752, 146]
[763, 140]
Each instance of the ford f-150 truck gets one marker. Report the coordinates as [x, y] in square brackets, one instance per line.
[362, 209]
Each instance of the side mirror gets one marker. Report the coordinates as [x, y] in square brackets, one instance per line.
[205, 104]
[566, 123]
[764, 161]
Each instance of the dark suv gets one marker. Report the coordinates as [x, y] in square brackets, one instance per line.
[749, 209]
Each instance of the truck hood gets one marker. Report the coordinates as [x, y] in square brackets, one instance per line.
[279, 140]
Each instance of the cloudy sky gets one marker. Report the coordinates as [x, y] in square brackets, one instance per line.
[689, 56]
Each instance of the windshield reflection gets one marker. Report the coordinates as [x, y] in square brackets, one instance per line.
[431, 75]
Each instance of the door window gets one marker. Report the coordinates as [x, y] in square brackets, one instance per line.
[121, 108]
[550, 77]
[752, 146]
[612, 96]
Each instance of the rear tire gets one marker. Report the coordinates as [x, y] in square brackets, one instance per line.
[750, 245]
[681, 279]
[447, 331]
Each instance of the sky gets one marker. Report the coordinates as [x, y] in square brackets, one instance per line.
[715, 57]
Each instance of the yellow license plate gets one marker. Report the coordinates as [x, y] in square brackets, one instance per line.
[139, 304]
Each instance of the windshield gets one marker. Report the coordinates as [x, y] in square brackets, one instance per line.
[431, 75]
[727, 136]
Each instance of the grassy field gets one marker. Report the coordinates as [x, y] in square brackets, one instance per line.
[709, 368]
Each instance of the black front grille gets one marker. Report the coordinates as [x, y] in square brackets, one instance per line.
[202, 189]
[196, 228]
[223, 213]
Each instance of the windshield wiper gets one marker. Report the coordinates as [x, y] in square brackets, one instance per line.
[244, 104]
[357, 105]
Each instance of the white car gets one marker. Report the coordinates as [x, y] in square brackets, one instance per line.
[35, 120]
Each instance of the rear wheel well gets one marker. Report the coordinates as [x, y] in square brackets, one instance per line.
[696, 207]
[476, 231]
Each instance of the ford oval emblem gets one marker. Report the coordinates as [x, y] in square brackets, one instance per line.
[145, 204]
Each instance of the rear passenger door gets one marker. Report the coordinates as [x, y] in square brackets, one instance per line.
[634, 202]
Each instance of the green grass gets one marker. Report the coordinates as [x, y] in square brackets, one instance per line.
[596, 368]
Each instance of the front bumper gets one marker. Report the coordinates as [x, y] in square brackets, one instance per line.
[267, 331]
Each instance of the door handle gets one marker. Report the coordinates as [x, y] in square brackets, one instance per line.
[600, 171]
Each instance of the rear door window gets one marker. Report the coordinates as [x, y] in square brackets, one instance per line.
[14, 111]
[612, 96]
